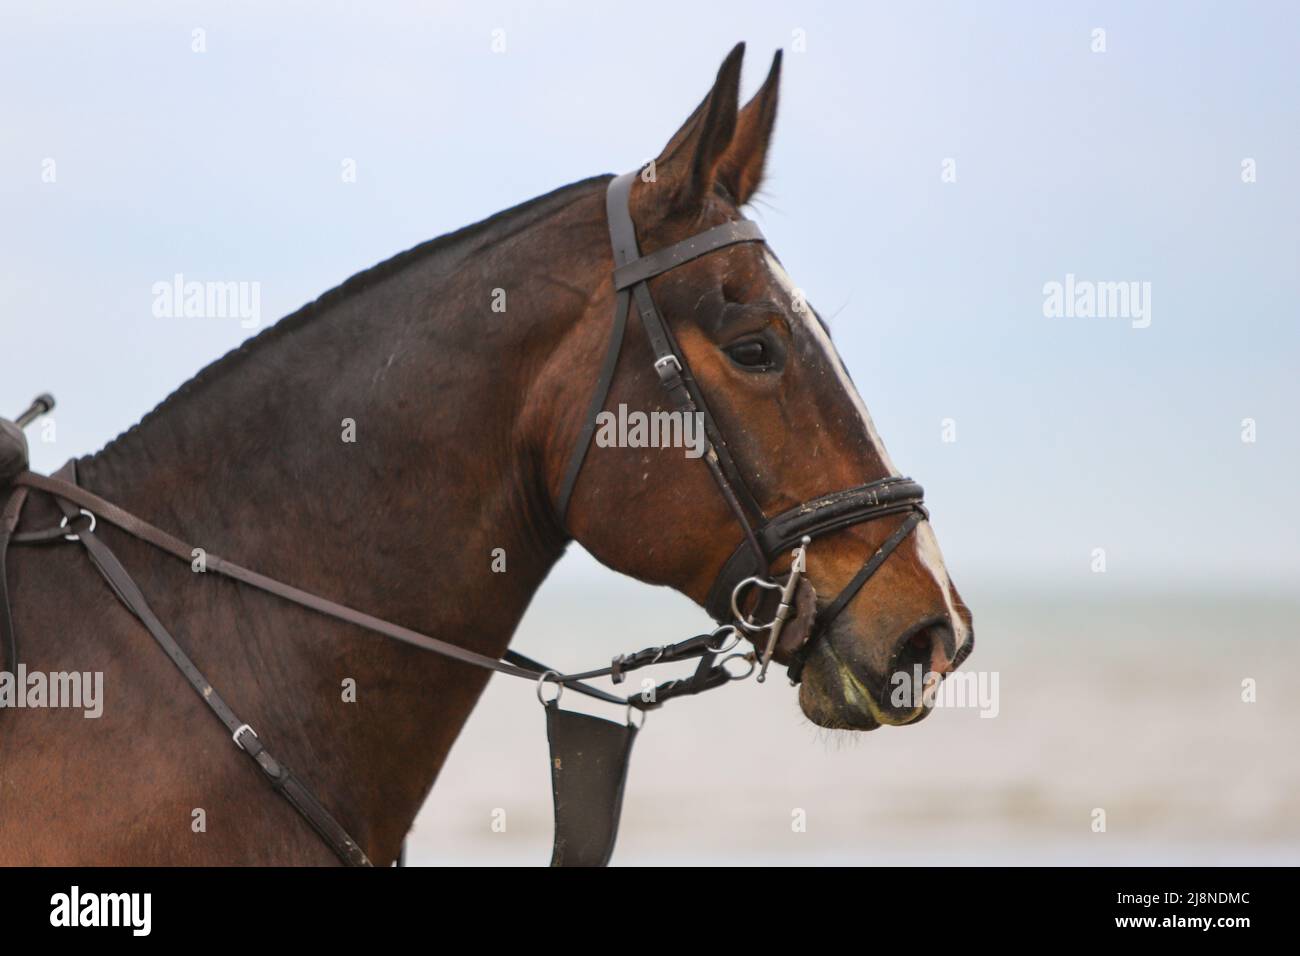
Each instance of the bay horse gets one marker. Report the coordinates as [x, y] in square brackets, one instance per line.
[384, 446]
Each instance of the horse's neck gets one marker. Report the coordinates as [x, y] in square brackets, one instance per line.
[366, 454]
[371, 455]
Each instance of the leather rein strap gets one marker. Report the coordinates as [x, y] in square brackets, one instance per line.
[76, 502]
[512, 663]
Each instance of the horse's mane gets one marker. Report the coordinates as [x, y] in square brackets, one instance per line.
[482, 233]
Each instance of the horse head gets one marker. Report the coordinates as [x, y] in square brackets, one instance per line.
[784, 431]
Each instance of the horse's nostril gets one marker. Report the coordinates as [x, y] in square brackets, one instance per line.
[912, 652]
[940, 644]
[930, 648]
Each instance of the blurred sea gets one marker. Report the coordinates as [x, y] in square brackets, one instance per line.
[1131, 704]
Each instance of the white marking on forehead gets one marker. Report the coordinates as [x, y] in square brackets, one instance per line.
[927, 551]
[926, 545]
[818, 333]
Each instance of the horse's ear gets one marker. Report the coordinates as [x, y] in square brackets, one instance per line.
[686, 169]
[741, 168]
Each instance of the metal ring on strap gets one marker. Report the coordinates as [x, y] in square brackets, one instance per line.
[76, 537]
[559, 688]
[733, 642]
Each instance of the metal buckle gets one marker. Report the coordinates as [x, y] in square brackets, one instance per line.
[238, 732]
[662, 364]
[798, 566]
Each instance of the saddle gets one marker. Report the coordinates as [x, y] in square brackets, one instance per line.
[14, 459]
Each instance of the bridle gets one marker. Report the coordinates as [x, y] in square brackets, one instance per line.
[589, 754]
[764, 539]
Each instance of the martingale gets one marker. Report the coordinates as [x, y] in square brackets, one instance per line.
[589, 754]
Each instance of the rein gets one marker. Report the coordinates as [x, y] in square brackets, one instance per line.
[77, 503]
[589, 754]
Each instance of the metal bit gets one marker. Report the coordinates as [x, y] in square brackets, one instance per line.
[798, 565]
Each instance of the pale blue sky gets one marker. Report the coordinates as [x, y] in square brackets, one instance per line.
[1124, 165]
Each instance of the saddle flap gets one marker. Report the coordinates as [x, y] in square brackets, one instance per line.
[589, 759]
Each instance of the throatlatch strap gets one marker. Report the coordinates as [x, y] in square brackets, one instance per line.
[589, 758]
[622, 302]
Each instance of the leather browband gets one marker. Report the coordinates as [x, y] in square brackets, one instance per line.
[657, 263]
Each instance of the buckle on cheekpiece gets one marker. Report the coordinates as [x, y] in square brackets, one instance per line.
[662, 367]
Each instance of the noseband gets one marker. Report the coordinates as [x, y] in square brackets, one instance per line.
[765, 539]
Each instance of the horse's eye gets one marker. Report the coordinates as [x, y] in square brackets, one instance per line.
[751, 353]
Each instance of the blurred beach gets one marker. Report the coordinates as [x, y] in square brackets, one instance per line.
[1127, 703]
